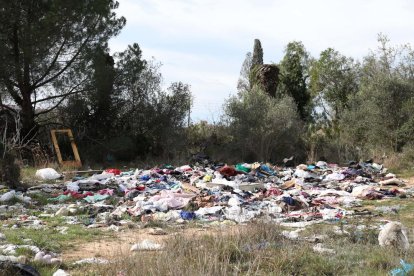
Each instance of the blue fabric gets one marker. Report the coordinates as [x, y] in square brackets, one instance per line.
[187, 215]
[145, 177]
[404, 270]
[288, 200]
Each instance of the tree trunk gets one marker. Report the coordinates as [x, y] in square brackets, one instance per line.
[28, 125]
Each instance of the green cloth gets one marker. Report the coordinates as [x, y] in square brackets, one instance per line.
[241, 168]
[60, 198]
[95, 198]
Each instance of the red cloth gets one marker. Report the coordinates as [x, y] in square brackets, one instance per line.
[106, 192]
[77, 195]
[114, 171]
[273, 192]
[228, 171]
[140, 188]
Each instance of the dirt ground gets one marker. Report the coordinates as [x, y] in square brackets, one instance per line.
[123, 240]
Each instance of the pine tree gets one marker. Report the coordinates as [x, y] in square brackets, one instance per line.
[257, 58]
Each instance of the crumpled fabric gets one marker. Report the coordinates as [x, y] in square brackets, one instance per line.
[95, 198]
[239, 214]
[77, 195]
[60, 198]
[228, 171]
[106, 192]
[171, 199]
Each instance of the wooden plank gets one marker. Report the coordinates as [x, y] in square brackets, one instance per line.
[88, 171]
[70, 163]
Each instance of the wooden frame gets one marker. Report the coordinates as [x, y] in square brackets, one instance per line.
[77, 162]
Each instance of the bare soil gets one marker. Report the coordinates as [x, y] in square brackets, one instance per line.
[122, 241]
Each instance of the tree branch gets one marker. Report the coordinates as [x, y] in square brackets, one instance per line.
[12, 92]
[69, 63]
[52, 64]
[50, 109]
[7, 107]
[72, 92]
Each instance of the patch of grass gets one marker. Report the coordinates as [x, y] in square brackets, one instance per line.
[14, 201]
[24, 252]
[28, 174]
[54, 221]
[50, 239]
[403, 173]
[155, 224]
[259, 249]
[45, 269]
[40, 199]
[405, 214]
[382, 202]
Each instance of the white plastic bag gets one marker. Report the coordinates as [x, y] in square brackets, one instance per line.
[8, 196]
[61, 272]
[146, 245]
[72, 186]
[44, 258]
[25, 199]
[47, 174]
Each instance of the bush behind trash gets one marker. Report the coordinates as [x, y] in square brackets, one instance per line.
[9, 170]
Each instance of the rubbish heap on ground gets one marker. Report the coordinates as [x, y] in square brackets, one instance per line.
[215, 194]
[298, 196]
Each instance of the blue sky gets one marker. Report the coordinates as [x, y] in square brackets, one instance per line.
[204, 42]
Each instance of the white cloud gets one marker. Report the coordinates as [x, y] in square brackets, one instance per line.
[203, 42]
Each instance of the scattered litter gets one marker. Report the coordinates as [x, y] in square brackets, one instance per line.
[146, 245]
[61, 272]
[48, 174]
[391, 181]
[44, 258]
[157, 231]
[62, 229]
[340, 231]
[292, 235]
[10, 249]
[7, 196]
[91, 261]
[113, 228]
[19, 259]
[294, 197]
[320, 249]
[213, 194]
[8, 267]
[405, 269]
[388, 209]
[394, 234]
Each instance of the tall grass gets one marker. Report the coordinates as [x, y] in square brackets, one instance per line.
[257, 249]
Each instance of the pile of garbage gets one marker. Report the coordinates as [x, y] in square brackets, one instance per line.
[216, 194]
[302, 195]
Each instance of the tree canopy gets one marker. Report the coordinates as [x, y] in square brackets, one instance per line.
[46, 47]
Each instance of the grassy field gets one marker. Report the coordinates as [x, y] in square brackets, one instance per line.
[255, 248]
[259, 249]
